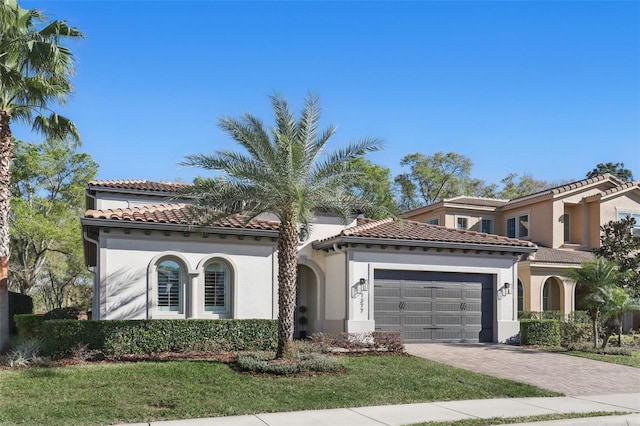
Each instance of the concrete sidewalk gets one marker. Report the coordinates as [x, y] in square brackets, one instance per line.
[396, 415]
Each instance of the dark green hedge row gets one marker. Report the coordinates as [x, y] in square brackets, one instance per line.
[18, 304]
[29, 325]
[61, 337]
[544, 332]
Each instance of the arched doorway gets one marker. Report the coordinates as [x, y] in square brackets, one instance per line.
[581, 291]
[520, 296]
[551, 294]
[306, 315]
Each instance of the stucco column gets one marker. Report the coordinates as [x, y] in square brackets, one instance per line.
[569, 299]
[193, 295]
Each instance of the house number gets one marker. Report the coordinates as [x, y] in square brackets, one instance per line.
[401, 306]
[463, 306]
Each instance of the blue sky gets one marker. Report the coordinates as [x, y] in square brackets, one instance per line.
[547, 88]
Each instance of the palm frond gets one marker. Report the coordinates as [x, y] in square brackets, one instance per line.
[56, 126]
[60, 28]
[250, 133]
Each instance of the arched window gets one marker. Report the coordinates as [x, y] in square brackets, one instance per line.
[520, 296]
[216, 287]
[170, 286]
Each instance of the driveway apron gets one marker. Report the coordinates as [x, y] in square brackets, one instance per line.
[561, 373]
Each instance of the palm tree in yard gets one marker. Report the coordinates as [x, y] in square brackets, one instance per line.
[283, 172]
[35, 73]
[599, 280]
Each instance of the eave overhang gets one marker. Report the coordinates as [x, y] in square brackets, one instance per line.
[369, 241]
[177, 227]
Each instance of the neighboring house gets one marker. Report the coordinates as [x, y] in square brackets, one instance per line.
[564, 222]
[151, 259]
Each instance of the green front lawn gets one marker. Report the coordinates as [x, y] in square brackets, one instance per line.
[145, 391]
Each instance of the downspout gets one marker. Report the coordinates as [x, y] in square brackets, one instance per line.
[96, 295]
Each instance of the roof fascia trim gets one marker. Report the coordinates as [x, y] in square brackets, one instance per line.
[176, 227]
[417, 243]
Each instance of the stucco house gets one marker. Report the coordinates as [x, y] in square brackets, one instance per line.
[151, 259]
[564, 222]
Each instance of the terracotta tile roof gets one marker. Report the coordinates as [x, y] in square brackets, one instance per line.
[569, 186]
[416, 231]
[179, 214]
[625, 186]
[476, 201]
[139, 185]
[550, 255]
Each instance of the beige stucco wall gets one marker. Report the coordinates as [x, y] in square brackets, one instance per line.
[609, 208]
[534, 276]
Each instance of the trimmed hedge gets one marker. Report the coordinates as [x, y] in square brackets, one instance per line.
[29, 325]
[123, 337]
[18, 304]
[545, 332]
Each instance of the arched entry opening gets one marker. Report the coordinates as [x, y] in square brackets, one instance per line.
[520, 296]
[581, 292]
[306, 314]
[551, 295]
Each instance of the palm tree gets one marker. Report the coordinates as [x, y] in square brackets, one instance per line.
[282, 173]
[598, 279]
[35, 73]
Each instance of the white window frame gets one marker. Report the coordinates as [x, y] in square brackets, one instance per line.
[491, 219]
[227, 288]
[157, 311]
[466, 218]
[622, 213]
[435, 219]
[231, 269]
[516, 216]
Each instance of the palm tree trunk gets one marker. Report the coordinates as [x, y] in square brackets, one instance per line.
[287, 271]
[5, 176]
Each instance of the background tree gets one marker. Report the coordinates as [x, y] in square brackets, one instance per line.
[515, 186]
[433, 178]
[598, 281]
[375, 184]
[616, 169]
[35, 74]
[47, 197]
[619, 245]
[282, 173]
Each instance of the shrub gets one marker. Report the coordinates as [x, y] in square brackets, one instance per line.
[26, 353]
[545, 332]
[70, 312]
[18, 304]
[265, 364]
[576, 328]
[124, 337]
[29, 325]
[586, 347]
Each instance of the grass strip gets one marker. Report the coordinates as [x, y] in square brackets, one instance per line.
[523, 419]
[151, 391]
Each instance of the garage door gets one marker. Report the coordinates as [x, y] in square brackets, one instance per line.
[434, 306]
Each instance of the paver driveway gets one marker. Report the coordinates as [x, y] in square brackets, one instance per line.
[561, 373]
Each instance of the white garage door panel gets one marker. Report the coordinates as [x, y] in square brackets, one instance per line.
[429, 311]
